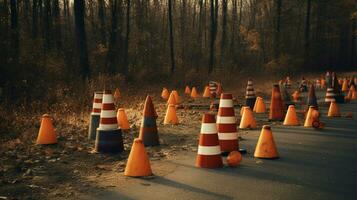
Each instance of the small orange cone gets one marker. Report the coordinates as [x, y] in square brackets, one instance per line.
[353, 92]
[117, 95]
[194, 93]
[248, 120]
[46, 134]
[187, 90]
[206, 93]
[334, 110]
[165, 93]
[138, 164]
[209, 151]
[266, 147]
[259, 106]
[291, 118]
[171, 117]
[172, 99]
[312, 115]
[345, 85]
[122, 119]
[296, 96]
[276, 111]
[177, 96]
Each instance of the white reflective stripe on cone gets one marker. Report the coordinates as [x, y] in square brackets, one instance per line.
[108, 114]
[330, 100]
[98, 96]
[208, 128]
[95, 113]
[226, 103]
[226, 120]
[228, 136]
[107, 127]
[108, 98]
[209, 150]
[97, 105]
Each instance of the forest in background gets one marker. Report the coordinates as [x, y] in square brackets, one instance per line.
[46, 44]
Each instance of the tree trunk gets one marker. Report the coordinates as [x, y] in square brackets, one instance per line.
[34, 18]
[101, 15]
[277, 30]
[224, 27]
[79, 12]
[126, 48]
[57, 22]
[307, 26]
[171, 38]
[14, 31]
[213, 38]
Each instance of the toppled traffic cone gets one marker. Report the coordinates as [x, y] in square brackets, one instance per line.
[276, 105]
[209, 151]
[345, 85]
[206, 93]
[334, 110]
[172, 99]
[234, 158]
[177, 96]
[122, 119]
[116, 95]
[296, 96]
[250, 95]
[259, 106]
[46, 134]
[330, 95]
[148, 129]
[291, 118]
[266, 147]
[165, 94]
[312, 115]
[171, 117]
[187, 90]
[311, 98]
[95, 115]
[226, 124]
[194, 93]
[109, 137]
[138, 164]
[248, 120]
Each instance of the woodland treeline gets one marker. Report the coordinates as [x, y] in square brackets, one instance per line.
[48, 40]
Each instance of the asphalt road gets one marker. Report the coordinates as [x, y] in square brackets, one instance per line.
[312, 165]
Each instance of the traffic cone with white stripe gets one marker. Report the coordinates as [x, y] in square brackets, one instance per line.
[330, 95]
[109, 137]
[209, 151]
[248, 120]
[213, 88]
[266, 147]
[95, 115]
[250, 95]
[148, 129]
[47, 133]
[123, 122]
[226, 124]
[276, 105]
[291, 118]
[165, 93]
[259, 106]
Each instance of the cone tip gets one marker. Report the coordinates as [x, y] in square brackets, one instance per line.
[46, 115]
[267, 127]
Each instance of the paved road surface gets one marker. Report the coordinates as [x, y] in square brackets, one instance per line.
[312, 165]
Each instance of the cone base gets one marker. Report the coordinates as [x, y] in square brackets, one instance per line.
[209, 161]
[46, 143]
[267, 158]
[109, 141]
[93, 125]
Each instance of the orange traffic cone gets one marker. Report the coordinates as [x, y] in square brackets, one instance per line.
[248, 120]
[138, 161]
[242, 110]
[276, 105]
[345, 85]
[353, 93]
[296, 96]
[148, 129]
[291, 118]
[47, 133]
[259, 106]
[116, 95]
[194, 93]
[209, 151]
[122, 119]
[171, 117]
[266, 147]
[165, 93]
[177, 96]
[312, 115]
[334, 110]
[187, 90]
[206, 93]
[323, 83]
[172, 99]
[226, 124]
